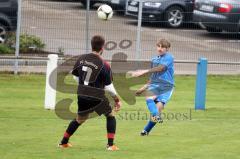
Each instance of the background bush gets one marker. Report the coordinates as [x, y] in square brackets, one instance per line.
[28, 43]
[4, 49]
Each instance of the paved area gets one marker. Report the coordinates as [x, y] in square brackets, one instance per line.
[62, 25]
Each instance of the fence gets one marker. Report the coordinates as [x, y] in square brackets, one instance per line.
[31, 64]
[67, 27]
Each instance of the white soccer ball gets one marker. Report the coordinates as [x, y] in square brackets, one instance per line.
[105, 12]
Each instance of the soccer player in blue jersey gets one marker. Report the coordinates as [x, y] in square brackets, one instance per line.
[159, 88]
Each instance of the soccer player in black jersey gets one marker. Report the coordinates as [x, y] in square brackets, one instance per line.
[94, 77]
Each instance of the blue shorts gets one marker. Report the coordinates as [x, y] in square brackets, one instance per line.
[164, 98]
[158, 89]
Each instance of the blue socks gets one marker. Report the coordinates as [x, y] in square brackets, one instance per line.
[149, 126]
[154, 111]
[152, 107]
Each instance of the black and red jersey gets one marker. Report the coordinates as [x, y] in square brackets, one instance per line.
[92, 71]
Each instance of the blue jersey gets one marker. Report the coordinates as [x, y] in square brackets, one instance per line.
[166, 77]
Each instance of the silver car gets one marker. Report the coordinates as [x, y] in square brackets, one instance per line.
[218, 15]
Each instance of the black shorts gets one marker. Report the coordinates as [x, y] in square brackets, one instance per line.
[88, 105]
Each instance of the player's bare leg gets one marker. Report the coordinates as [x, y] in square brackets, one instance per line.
[160, 107]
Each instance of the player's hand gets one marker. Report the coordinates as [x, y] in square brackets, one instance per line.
[139, 92]
[117, 106]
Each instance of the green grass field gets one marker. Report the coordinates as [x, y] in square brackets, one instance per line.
[27, 131]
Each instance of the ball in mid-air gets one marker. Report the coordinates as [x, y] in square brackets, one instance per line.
[105, 12]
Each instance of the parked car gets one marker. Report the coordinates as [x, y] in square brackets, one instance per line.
[8, 17]
[118, 5]
[92, 2]
[217, 16]
[171, 12]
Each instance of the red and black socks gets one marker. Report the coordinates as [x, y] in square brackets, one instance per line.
[72, 127]
[111, 129]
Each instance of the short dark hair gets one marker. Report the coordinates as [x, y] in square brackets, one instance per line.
[97, 43]
[164, 43]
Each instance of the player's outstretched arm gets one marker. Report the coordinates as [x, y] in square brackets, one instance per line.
[160, 68]
[138, 73]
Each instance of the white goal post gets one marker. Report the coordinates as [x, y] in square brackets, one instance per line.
[50, 91]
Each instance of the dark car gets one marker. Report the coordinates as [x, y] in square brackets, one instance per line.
[92, 2]
[218, 15]
[8, 17]
[171, 12]
[119, 5]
